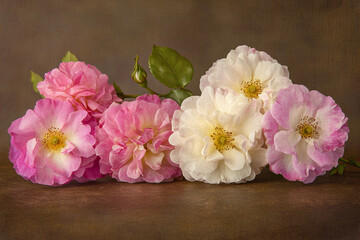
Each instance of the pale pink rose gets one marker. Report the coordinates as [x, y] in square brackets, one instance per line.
[133, 140]
[50, 144]
[306, 132]
[82, 85]
[251, 73]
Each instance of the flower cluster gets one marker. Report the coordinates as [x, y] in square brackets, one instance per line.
[248, 115]
[219, 136]
[83, 131]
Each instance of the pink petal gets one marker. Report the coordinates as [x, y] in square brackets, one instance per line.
[153, 176]
[68, 147]
[122, 175]
[27, 124]
[270, 128]
[327, 159]
[31, 151]
[286, 100]
[302, 161]
[154, 160]
[135, 168]
[53, 113]
[281, 163]
[90, 173]
[286, 141]
[150, 98]
[119, 159]
[169, 106]
[79, 134]
[63, 164]
[147, 135]
[103, 149]
[335, 140]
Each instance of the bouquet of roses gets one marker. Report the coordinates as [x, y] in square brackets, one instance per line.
[248, 115]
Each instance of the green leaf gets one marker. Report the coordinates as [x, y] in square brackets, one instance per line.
[35, 78]
[69, 57]
[333, 171]
[118, 91]
[170, 68]
[341, 169]
[178, 95]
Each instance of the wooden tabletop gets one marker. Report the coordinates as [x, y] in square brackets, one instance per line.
[267, 208]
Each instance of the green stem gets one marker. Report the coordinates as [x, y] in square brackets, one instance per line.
[350, 162]
[150, 90]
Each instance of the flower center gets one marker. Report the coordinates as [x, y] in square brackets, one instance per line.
[252, 88]
[53, 139]
[308, 127]
[222, 139]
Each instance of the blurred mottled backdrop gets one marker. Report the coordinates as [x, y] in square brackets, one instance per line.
[318, 40]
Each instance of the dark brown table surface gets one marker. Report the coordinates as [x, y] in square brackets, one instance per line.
[267, 208]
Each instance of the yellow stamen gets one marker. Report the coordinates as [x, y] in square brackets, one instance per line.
[252, 88]
[53, 139]
[308, 127]
[222, 139]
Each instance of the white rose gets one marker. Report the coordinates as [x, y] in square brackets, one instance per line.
[249, 72]
[218, 137]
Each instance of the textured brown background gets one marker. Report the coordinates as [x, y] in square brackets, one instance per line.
[318, 40]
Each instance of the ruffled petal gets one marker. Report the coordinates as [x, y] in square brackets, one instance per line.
[327, 159]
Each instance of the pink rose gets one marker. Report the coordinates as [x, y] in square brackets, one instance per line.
[51, 145]
[133, 140]
[306, 132]
[84, 86]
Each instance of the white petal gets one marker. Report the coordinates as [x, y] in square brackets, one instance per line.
[251, 121]
[190, 155]
[243, 70]
[209, 150]
[205, 104]
[258, 159]
[242, 142]
[175, 155]
[189, 103]
[280, 82]
[214, 156]
[191, 150]
[175, 139]
[253, 60]
[194, 123]
[266, 71]
[209, 146]
[238, 176]
[176, 119]
[234, 159]
[240, 50]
